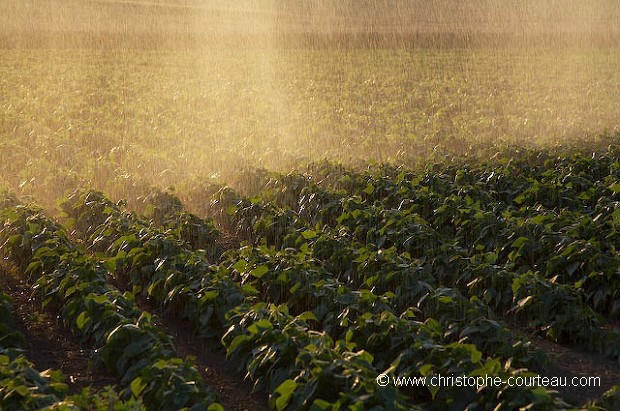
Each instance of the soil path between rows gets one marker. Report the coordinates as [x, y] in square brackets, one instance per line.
[222, 375]
[569, 362]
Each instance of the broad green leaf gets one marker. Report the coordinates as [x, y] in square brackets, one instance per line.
[259, 271]
[615, 187]
[369, 189]
[306, 316]
[249, 289]
[21, 390]
[258, 325]
[82, 319]
[476, 355]
[616, 216]
[519, 199]
[309, 234]
[237, 341]
[137, 386]
[320, 405]
[231, 210]
[518, 243]
[209, 295]
[286, 390]
[444, 299]
[541, 394]
[70, 291]
[433, 389]
[240, 265]
[425, 370]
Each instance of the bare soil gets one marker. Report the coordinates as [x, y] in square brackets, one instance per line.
[571, 362]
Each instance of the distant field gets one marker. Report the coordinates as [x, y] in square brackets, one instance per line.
[125, 94]
[163, 117]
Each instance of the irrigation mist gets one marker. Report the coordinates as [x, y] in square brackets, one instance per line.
[125, 94]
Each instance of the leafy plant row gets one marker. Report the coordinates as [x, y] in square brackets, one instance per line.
[303, 283]
[527, 295]
[24, 388]
[251, 326]
[565, 207]
[559, 307]
[131, 345]
[156, 264]
[152, 260]
[284, 277]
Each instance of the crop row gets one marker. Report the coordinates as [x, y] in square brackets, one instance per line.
[155, 263]
[24, 388]
[456, 235]
[131, 345]
[272, 342]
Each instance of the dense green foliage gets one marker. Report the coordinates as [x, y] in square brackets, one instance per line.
[410, 272]
[131, 346]
[24, 388]
[346, 275]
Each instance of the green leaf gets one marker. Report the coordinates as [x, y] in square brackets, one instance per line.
[309, 234]
[237, 341]
[320, 405]
[21, 390]
[240, 265]
[476, 355]
[369, 189]
[541, 395]
[258, 325]
[259, 271]
[231, 210]
[433, 389]
[615, 187]
[137, 386]
[249, 289]
[286, 390]
[70, 291]
[209, 295]
[616, 216]
[82, 319]
[425, 370]
[518, 243]
[519, 199]
[306, 316]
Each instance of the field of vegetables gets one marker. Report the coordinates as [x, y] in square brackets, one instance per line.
[278, 205]
[342, 275]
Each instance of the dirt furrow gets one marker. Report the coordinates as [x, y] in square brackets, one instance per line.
[223, 376]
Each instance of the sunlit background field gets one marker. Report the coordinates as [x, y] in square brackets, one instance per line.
[122, 95]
